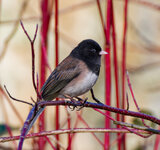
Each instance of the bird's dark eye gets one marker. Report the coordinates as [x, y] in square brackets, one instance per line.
[93, 50]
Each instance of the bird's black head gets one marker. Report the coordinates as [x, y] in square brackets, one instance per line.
[88, 51]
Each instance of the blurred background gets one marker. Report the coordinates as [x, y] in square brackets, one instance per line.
[79, 20]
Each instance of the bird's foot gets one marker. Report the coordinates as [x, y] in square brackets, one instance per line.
[73, 101]
[82, 101]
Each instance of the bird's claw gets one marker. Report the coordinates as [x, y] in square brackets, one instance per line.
[80, 101]
[72, 108]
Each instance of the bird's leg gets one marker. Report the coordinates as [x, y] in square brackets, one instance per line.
[76, 102]
[94, 98]
[82, 102]
[73, 100]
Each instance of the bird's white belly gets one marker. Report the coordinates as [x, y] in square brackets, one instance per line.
[84, 84]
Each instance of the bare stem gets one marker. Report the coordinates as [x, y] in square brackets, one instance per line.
[103, 107]
[33, 55]
[137, 127]
[15, 98]
[74, 130]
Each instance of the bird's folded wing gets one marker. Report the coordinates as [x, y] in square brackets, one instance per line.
[66, 71]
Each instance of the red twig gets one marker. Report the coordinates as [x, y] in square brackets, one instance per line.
[103, 107]
[15, 98]
[101, 17]
[69, 127]
[104, 114]
[33, 55]
[10, 133]
[4, 112]
[134, 99]
[49, 141]
[80, 118]
[107, 72]
[66, 131]
[75, 126]
[127, 101]
[46, 13]
[38, 86]
[12, 106]
[130, 88]
[134, 131]
[124, 52]
[45, 53]
[85, 123]
[157, 142]
[56, 62]
[116, 72]
[119, 135]
[124, 63]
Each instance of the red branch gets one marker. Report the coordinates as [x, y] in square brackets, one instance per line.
[33, 55]
[46, 13]
[69, 127]
[85, 123]
[115, 61]
[157, 142]
[12, 106]
[124, 63]
[107, 72]
[102, 106]
[101, 17]
[56, 63]
[49, 141]
[10, 133]
[74, 130]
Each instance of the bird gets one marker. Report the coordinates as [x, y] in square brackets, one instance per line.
[73, 77]
[76, 74]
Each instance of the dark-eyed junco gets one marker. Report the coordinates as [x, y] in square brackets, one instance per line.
[74, 76]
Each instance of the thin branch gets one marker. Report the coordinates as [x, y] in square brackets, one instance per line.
[85, 123]
[49, 141]
[101, 17]
[37, 90]
[103, 107]
[35, 34]
[61, 145]
[15, 98]
[137, 127]
[25, 31]
[11, 135]
[33, 55]
[74, 130]
[8, 128]
[104, 114]
[127, 101]
[130, 88]
[12, 106]
[45, 53]
[134, 99]
[135, 132]
[33, 100]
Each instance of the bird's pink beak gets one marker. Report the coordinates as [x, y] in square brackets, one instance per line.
[102, 53]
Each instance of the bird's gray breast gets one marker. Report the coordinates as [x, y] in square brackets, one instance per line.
[80, 85]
